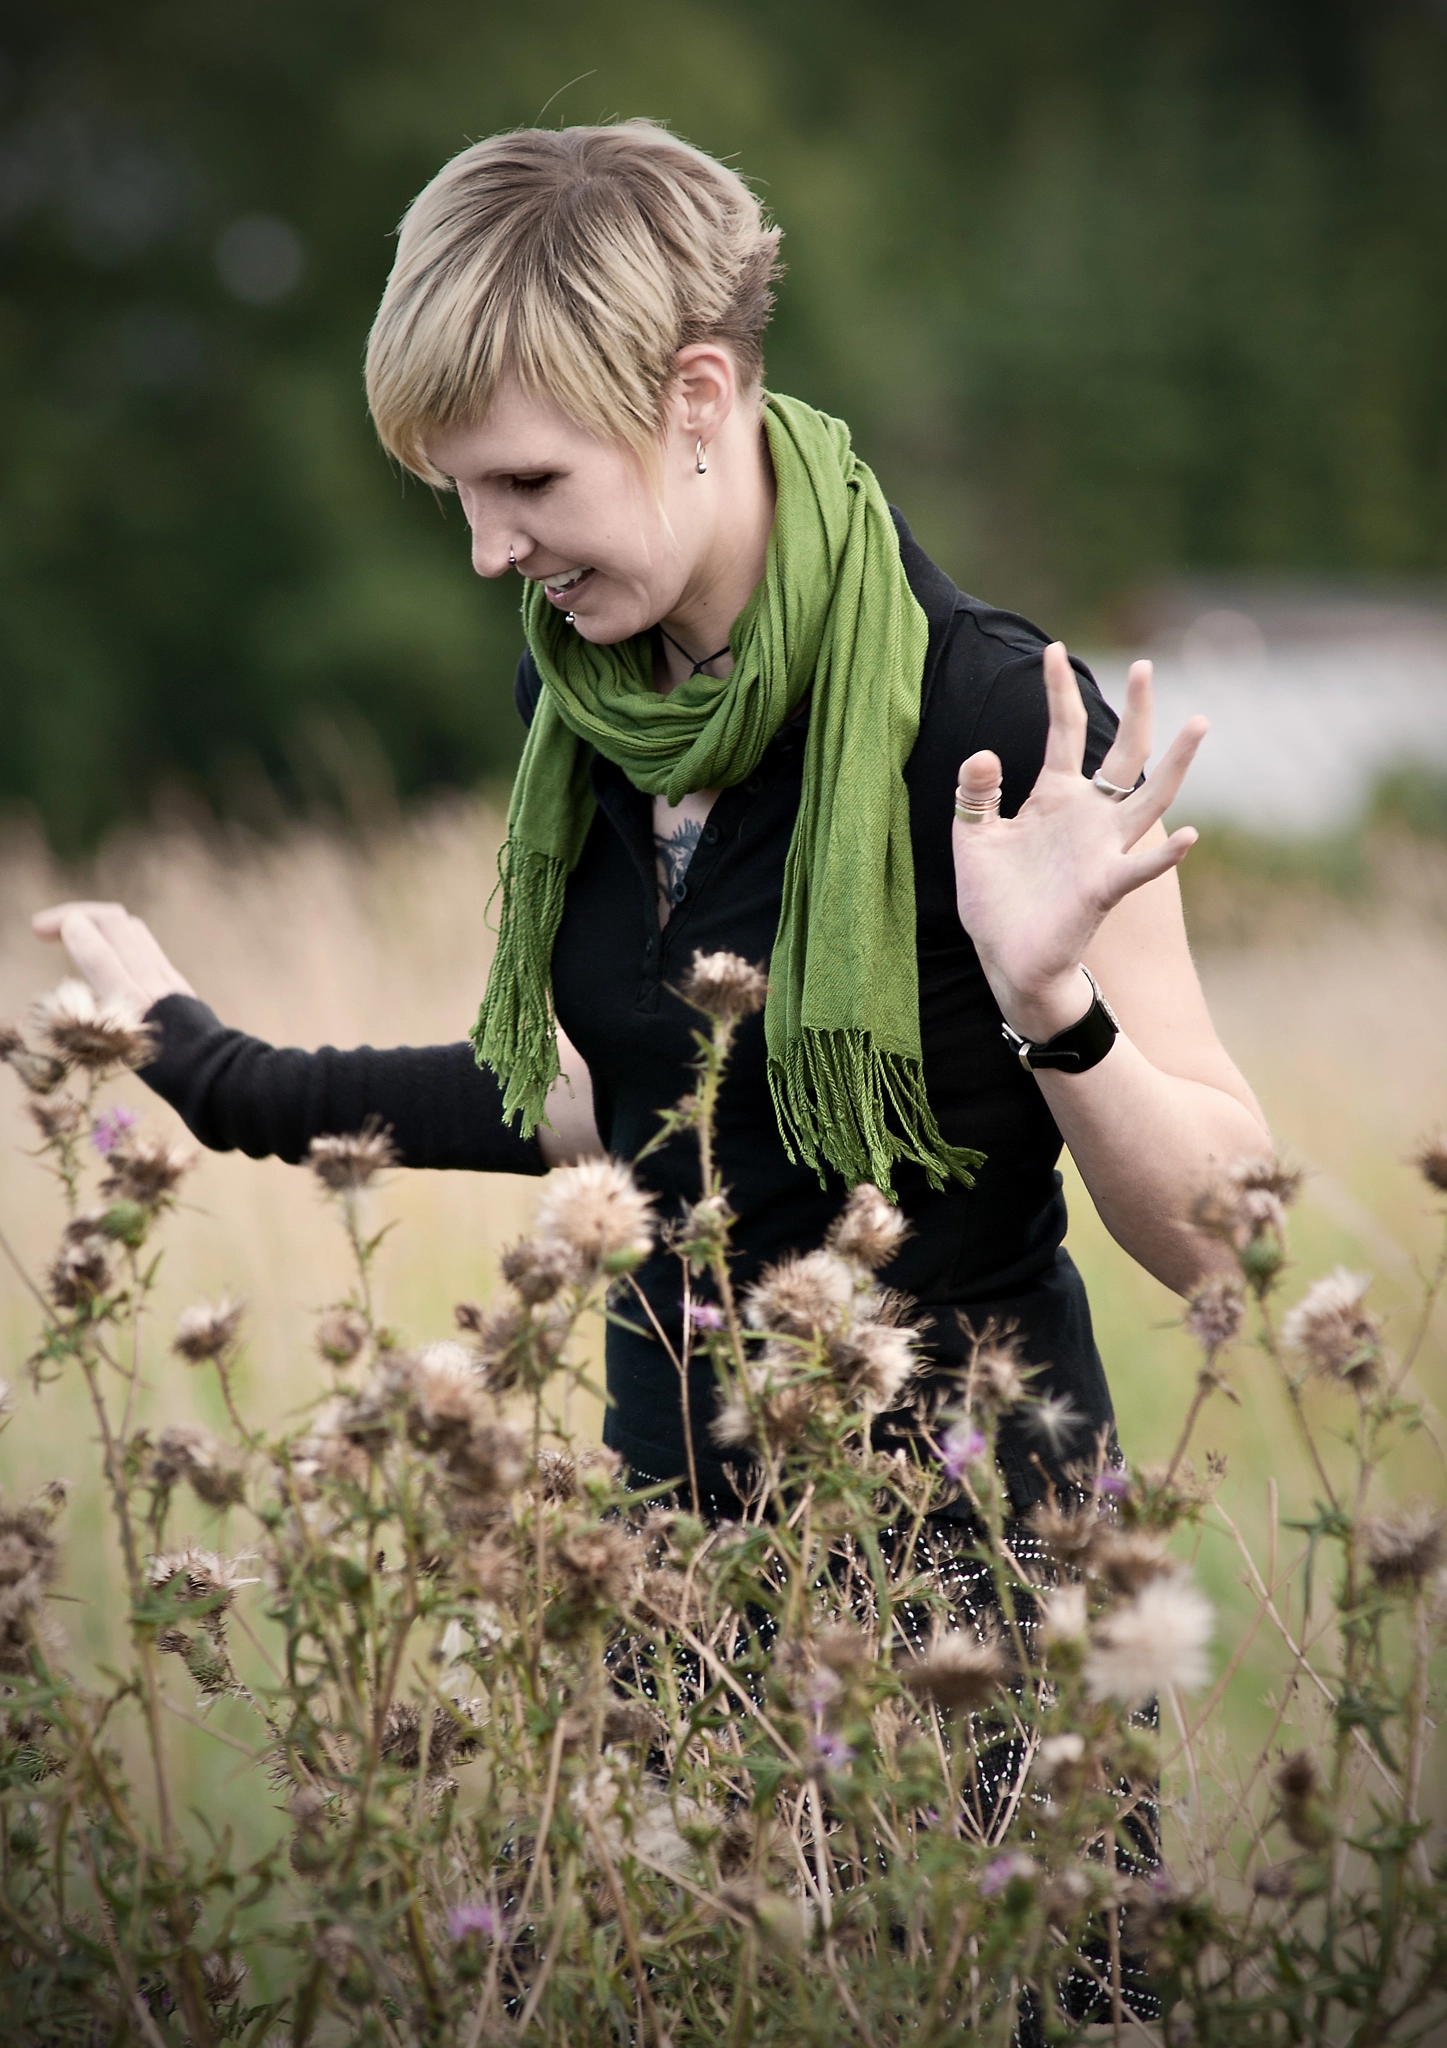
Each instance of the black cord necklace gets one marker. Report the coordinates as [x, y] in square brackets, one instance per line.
[698, 666]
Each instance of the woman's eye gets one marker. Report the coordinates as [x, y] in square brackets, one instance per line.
[531, 485]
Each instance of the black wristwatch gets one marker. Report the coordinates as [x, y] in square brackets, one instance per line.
[1079, 1047]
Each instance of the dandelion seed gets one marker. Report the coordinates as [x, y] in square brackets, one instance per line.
[1055, 1419]
[474, 1920]
[1340, 1336]
[146, 1168]
[959, 1673]
[85, 1030]
[724, 985]
[1431, 1160]
[110, 1127]
[961, 1446]
[705, 1315]
[348, 1162]
[1003, 1871]
[1151, 1644]
[81, 1273]
[207, 1330]
[340, 1335]
[868, 1230]
[1215, 1312]
[537, 1268]
[1405, 1548]
[597, 1210]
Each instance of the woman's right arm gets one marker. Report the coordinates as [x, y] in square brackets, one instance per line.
[238, 1093]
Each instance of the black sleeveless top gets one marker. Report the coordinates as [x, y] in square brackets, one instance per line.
[994, 1250]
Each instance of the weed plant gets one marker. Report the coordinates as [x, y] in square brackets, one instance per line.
[569, 1761]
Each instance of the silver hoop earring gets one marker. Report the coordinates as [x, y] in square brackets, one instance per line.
[700, 460]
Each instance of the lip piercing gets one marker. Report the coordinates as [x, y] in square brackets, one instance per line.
[512, 560]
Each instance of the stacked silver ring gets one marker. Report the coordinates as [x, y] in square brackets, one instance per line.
[972, 810]
[1113, 789]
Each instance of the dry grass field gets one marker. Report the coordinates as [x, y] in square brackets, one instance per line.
[1334, 1009]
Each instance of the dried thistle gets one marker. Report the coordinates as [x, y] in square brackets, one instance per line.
[207, 1330]
[960, 1673]
[1153, 1643]
[1129, 1559]
[213, 1471]
[557, 1475]
[779, 1415]
[632, 1724]
[868, 1230]
[1404, 1549]
[1058, 1762]
[222, 1977]
[29, 1561]
[347, 1163]
[199, 1578]
[597, 1211]
[1340, 1336]
[994, 1381]
[81, 1273]
[1431, 1160]
[1216, 1311]
[443, 1392]
[873, 1362]
[1062, 1615]
[491, 1569]
[145, 1168]
[56, 1117]
[537, 1268]
[599, 1563]
[1068, 1534]
[341, 1334]
[487, 1466]
[1299, 1788]
[725, 986]
[802, 1296]
[86, 1030]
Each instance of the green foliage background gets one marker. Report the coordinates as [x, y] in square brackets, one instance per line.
[1105, 287]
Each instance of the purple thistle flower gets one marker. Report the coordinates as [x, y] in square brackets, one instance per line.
[110, 1127]
[1115, 1482]
[830, 1750]
[998, 1874]
[961, 1446]
[822, 1689]
[473, 1917]
[705, 1315]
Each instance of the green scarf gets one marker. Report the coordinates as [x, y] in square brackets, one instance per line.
[834, 614]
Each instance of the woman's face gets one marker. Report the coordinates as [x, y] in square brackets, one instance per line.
[581, 516]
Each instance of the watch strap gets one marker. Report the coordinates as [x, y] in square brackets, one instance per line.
[1079, 1047]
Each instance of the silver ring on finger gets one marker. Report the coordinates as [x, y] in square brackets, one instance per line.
[972, 810]
[1113, 790]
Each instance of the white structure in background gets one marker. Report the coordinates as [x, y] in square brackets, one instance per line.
[1312, 694]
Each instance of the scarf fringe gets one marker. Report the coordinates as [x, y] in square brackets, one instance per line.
[516, 1030]
[834, 1095]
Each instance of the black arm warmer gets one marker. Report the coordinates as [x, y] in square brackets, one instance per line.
[239, 1094]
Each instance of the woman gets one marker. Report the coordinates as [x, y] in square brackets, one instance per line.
[761, 721]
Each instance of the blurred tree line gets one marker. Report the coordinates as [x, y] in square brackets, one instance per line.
[1105, 287]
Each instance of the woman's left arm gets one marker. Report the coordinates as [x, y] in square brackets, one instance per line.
[1079, 878]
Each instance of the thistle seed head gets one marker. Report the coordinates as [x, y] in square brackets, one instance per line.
[86, 1030]
[341, 1334]
[146, 1168]
[803, 1296]
[1058, 1760]
[1062, 1614]
[994, 1381]
[222, 1977]
[599, 1563]
[1300, 1788]
[1153, 1643]
[207, 1330]
[1406, 1548]
[725, 986]
[597, 1211]
[347, 1163]
[198, 1577]
[868, 1230]
[1128, 1560]
[537, 1268]
[631, 1724]
[959, 1673]
[873, 1362]
[212, 1470]
[1431, 1160]
[80, 1273]
[491, 1569]
[1340, 1335]
[443, 1391]
[1216, 1312]
[56, 1117]
[491, 1464]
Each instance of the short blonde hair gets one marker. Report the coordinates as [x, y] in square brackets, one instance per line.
[578, 260]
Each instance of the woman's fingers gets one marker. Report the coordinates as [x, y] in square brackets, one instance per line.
[117, 953]
[1065, 741]
[1162, 786]
[1131, 748]
[1139, 868]
[980, 776]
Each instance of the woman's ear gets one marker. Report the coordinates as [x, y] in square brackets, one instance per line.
[705, 387]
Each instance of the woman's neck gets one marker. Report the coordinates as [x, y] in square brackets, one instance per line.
[731, 560]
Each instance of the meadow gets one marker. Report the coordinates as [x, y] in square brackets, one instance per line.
[1330, 998]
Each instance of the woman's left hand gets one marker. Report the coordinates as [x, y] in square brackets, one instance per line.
[1032, 890]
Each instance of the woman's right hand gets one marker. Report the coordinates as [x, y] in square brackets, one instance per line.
[116, 953]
